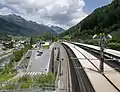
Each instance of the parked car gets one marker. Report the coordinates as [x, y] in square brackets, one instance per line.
[39, 53]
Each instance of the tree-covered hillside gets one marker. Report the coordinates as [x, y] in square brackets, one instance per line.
[105, 19]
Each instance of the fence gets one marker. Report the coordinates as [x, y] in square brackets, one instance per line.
[26, 87]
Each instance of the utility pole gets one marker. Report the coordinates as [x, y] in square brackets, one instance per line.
[101, 43]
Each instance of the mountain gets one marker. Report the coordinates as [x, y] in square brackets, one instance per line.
[104, 19]
[16, 25]
[57, 29]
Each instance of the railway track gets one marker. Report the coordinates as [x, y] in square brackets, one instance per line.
[80, 81]
[108, 59]
[107, 62]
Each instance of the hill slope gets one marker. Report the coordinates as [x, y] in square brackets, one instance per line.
[16, 25]
[105, 19]
[57, 29]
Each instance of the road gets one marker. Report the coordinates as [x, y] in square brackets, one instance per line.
[2, 53]
[5, 56]
[39, 63]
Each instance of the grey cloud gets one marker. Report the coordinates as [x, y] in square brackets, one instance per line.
[12, 1]
[65, 13]
[9, 7]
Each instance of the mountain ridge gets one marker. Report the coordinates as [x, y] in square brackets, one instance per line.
[16, 25]
[57, 29]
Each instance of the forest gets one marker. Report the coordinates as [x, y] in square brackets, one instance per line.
[104, 19]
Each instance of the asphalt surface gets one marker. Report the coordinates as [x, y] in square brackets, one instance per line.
[40, 63]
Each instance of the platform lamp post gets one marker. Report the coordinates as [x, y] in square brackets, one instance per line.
[102, 43]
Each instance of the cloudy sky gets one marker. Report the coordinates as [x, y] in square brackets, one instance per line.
[64, 13]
